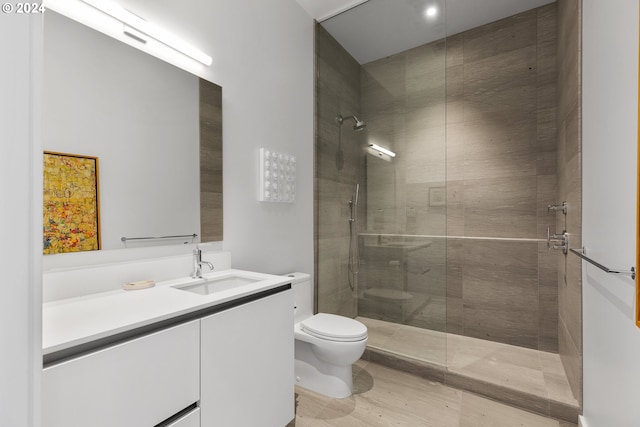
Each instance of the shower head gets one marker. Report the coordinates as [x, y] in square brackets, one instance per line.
[359, 125]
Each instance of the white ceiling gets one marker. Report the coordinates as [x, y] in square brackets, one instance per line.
[323, 9]
[379, 28]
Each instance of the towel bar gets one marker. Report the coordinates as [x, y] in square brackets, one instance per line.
[193, 236]
[631, 273]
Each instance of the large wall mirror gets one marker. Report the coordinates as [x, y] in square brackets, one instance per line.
[156, 130]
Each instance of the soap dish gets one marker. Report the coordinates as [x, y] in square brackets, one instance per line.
[142, 284]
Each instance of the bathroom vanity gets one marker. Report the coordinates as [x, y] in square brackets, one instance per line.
[185, 353]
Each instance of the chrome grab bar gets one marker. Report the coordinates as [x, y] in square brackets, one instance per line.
[125, 239]
[558, 241]
[631, 273]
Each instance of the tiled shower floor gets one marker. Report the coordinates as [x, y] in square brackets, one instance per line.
[384, 397]
[534, 380]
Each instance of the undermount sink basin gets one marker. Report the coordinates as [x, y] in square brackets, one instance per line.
[218, 284]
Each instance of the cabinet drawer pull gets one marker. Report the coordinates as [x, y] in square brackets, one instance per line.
[172, 419]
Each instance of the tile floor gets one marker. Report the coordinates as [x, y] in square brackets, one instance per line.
[527, 378]
[387, 397]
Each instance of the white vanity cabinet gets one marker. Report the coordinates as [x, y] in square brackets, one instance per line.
[247, 364]
[139, 382]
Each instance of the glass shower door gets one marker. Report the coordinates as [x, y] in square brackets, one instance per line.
[398, 163]
[403, 275]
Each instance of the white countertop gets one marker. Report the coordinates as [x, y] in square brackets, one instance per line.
[75, 321]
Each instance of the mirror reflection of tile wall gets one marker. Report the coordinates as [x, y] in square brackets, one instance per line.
[210, 161]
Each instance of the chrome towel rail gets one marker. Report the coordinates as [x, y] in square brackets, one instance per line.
[125, 239]
[631, 273]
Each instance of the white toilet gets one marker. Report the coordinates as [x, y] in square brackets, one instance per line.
[326, 345]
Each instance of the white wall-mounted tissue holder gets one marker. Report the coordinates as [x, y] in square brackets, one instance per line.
[277, 177]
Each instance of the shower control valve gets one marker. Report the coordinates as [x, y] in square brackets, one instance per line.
[558, 241]
[556, 208]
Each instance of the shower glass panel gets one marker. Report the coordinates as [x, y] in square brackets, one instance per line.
[384, 63]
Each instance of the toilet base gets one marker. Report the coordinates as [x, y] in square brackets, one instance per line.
[321, 377]
[332, 385]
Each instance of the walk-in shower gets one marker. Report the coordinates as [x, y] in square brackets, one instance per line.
[452, 177]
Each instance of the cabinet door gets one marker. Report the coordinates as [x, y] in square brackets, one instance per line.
[247, 364]
[137, 383]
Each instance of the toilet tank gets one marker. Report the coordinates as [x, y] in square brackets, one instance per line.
[302, 296]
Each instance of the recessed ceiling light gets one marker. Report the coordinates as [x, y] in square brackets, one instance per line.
[431, 11]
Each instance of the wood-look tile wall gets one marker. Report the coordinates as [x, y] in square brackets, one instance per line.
[403, 102]
[569, 159]
[336, 175]
[501, 175]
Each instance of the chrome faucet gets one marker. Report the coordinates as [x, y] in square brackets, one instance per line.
[197, 263]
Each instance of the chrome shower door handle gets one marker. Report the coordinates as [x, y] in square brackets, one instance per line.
[548, 237]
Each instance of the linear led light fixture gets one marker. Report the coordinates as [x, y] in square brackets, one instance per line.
[140, 26]
[382, 150]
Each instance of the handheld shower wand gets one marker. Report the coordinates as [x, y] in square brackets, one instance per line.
[357, 191]
[354, 255]
[353, 205]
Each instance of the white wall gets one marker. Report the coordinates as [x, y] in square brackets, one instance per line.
[263, 59]
[21, 219]
[610, 134]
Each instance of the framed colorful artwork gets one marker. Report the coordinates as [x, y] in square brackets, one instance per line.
[71, 203]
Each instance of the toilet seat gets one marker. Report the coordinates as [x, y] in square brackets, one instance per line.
[331, 327]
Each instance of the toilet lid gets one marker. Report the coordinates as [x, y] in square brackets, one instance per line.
[334, 328]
